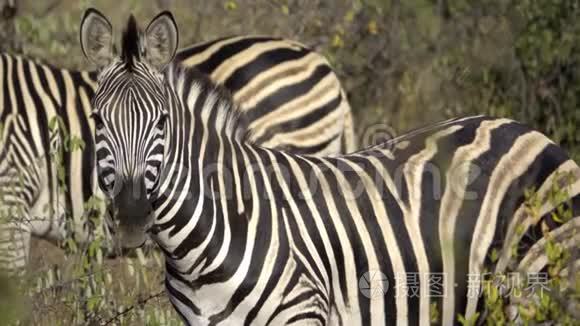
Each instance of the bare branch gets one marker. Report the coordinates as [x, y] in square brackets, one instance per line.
[140, 303]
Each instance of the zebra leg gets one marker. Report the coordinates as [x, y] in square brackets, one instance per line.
[18, 193]
[48, 219]
[534, 262]
[14, 223]
[14, 245]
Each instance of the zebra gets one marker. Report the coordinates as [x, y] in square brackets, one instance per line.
[290, 94]
[260, 236]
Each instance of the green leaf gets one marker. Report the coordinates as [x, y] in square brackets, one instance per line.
[230, 5]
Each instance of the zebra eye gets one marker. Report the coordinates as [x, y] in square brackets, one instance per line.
[98, 121]
[161, 122]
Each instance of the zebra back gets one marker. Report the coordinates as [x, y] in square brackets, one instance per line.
[289, 94]
[423, 213]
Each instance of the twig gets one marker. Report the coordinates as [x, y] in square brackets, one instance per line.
[66, 283]
[49, 9]
[123, 312]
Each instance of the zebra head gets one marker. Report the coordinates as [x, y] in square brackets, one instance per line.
[130, 110]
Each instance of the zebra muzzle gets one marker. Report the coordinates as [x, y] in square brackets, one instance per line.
[133, 215]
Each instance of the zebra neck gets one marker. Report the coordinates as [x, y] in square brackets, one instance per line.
[208, 194]
[208, 223]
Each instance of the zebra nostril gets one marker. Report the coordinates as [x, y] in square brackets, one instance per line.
[115, 186]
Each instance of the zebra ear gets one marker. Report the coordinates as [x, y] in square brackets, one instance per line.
[161, 40]
[97, 38]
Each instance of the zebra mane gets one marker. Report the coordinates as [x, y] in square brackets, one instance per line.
[131, 43]
[224, 114]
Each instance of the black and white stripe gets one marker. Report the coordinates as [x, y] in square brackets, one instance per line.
[258, 236]
[33, 93]
[275, 80]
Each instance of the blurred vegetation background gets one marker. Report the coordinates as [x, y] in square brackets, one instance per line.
[403, 63]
